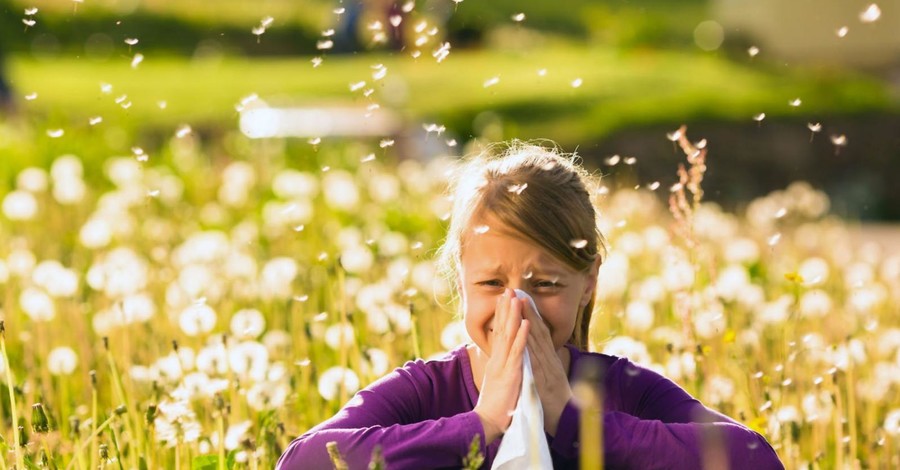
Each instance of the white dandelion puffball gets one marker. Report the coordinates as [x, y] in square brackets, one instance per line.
[66, 167]
[340, 190]
[55, 279]
[339, 335]
[378, 361]
[247, 323]
[32, 179]
[69, 191]
[815, 303]
[249, 359]
[293, 184]
[639, 315]
[19, 205]
[331, 381]
[625, 346]
[95, 233]
[37, 304]
[814, 270]
[263, 396]
[62, 361]
[357, 259]
[613, 277]
[197, 319]
[276, 278]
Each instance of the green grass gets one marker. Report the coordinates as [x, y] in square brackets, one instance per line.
[619, 89]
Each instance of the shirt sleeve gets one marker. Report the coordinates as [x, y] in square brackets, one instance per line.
[387, 413]
[653, 423]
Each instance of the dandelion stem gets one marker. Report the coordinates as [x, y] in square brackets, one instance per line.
[91, 440]
[10, 386]
[221, 424]
[131, 422]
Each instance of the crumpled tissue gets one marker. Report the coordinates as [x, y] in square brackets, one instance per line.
[524, 445]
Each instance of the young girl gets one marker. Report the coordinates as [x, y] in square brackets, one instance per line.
[524, 220]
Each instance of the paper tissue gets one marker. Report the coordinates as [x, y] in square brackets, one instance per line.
[524, 445]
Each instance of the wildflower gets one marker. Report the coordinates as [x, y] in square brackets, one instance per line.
[339, 336]
[277, 277]
[19, 205]
[176, 422]
[625, 346]
[249, 359]
[197, 319]
[639, 316]
[815, 303]
[357, 259]
[37, 304]
[247, 324]
[340, 190]
[62, 360]
[264, 395]
[333, 379]
[55, 279]
[32, 179]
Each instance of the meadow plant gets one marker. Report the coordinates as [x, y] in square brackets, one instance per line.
[201, 304]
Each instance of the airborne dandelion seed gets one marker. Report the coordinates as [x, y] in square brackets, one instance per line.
[842, 31]
[138, 58]
[518, 17]
[491, 82]
[753, 51]
[31, 96]
[871, 14]
[481, 229]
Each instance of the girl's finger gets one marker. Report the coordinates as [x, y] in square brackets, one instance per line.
[518, 347]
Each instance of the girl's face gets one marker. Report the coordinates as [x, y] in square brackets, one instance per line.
[496, 259]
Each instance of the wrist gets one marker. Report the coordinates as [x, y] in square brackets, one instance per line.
[491, 430]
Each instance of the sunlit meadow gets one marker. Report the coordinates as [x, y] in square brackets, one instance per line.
[180, 315]
[201, 301]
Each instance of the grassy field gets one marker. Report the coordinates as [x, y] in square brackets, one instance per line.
[615, 89]
[193, 296]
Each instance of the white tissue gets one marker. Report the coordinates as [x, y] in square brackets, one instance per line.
[524, 445]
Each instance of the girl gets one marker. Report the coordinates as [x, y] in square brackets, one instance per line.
[524, 220]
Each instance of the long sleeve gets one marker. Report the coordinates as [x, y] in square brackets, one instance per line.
[398, 413]
[650, 422]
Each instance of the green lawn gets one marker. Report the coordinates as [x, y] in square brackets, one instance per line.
[618, 89]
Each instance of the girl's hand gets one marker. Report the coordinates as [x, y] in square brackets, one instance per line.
[549, 373]
[503, 371]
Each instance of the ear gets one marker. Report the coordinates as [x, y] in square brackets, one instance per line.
[590, 282]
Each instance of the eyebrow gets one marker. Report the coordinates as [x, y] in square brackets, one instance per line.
[537, 270]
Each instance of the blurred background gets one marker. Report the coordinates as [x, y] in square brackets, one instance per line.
[782, 91]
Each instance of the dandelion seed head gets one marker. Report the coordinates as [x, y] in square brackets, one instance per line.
[62, 360]
[334, 379]
[247, 324]
[197, 319]
[19, 205]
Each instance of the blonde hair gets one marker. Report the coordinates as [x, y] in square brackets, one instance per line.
[540, 193]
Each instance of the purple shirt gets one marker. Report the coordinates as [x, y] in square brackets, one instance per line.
[421, 415]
